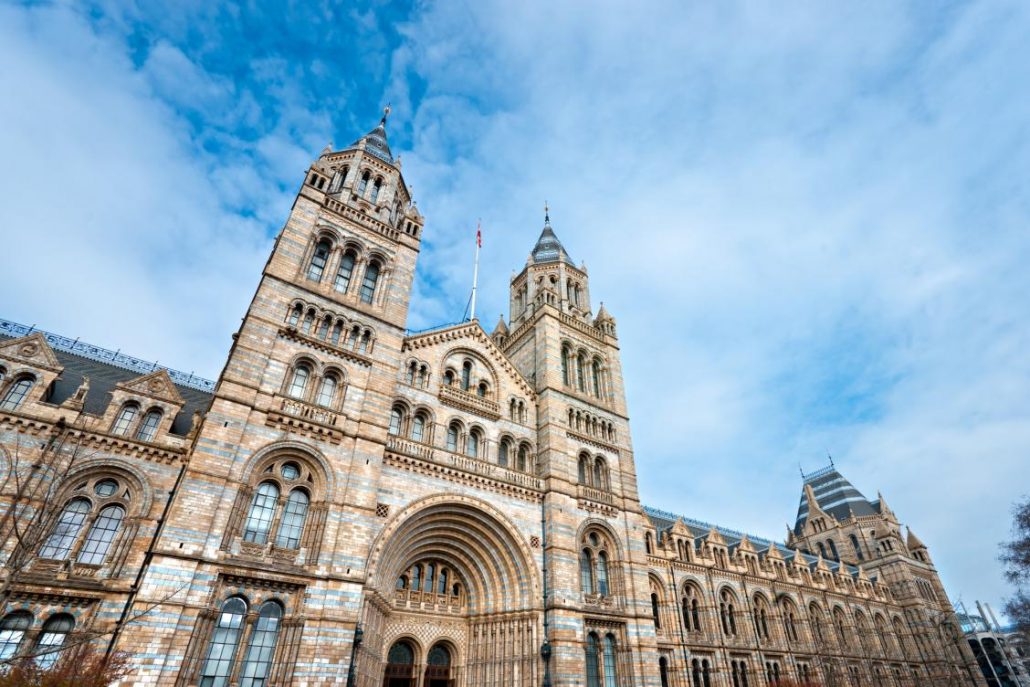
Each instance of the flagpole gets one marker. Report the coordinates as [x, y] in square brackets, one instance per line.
[475, 271]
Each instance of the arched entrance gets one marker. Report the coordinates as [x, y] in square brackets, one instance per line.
[458, 575]
[438, 667]
[400, 665]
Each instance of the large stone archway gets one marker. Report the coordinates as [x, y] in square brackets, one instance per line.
[452, 572]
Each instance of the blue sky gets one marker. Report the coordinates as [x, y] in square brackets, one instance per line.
[810, 221]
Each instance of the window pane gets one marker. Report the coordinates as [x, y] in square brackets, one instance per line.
[591, 660]
[318, 260]
[395, 422]
[610, 676]
[345, 272]
[16, 394]
[148, 428]
[368, 285]
[586, 572]
[262, 510]
[472, 448]
[12, 631]
[418, 428]
[602, 573]
[452, 439]
[327, 391]
[125, 420]
[502, 454]
[292, 524]
[101, 535]
[59, 544]
[300, 382]
[258, 660]
[218, 665]
[55, 631]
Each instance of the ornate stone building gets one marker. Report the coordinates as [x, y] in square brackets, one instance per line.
[354, 502]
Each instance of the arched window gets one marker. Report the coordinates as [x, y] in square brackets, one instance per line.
[584, 469]
[839, 626]
[472, 445]
[327, 391]
[452, 437]
[309, 320]
[648, 543]
[148, 428]
[262, 512]
[323, 328]
[299, 383]
[346, 271]
[418, 427]
[691, 609]
[363, 184]
[611, 677]
[376, 187]
[727, 614]
[663, 671]
[59, 544]
[17, 392]
[334, 338]
[55, 632]
[12, 632]
[126, 417]
[600, 474]
[410, 374]
[466, 375]
[416, 577]
[502, 452]
[833, 550]
[258, 660]
[368, 284]
[101, 535]
[295, 314]
[858, 549]
[602, 573]
[822, 550]
[596, 378]
[523, 458]
[565, 366]
[318, 260]
[396, 417]
[655, 615]
[292, 524]
[224, 640]
[581, 363]
[481, 390]
[442, 582]
[592, 657]
[586, 572]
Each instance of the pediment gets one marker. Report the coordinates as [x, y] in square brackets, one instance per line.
[32, 350]
[157, 384]
[470, 336]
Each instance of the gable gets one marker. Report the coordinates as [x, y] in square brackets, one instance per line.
[32, 350]
[157, 385]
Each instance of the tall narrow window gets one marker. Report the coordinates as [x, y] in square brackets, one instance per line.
[318, 260]
[581, 363]
[292, 524]
[101, 535]
[218, 664]
[858, 549]
[55, 632]
[586, 572]
[410, 375]
[12, 632]
[600, 474]
[565, 366]
[258, 659]
[126, 416]
[295, 314]
[363, 184]
[430, 572]
[523, 458]
[466, 375]
[584, 470]
[655, 615]
[368, 285]
[299, 383]
[418, 428]
[262, 511]
[17, 393]
[327, 391]
[502, 453]
[59, 544]
[592, 657]
[395, 421]
[376, 187]
[602, 573]
[416, 578]
[334, 338]
[663, 671]
[309, 320]
[596, 376]
[611, 677]
[442, 584]
[323, 328]
[472, 445]
[346, 271]
[833, 550]
[148, 428]
[452, 438]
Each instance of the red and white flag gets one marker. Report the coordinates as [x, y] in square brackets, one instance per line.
[479, 236]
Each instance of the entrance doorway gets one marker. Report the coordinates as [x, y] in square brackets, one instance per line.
[438, 667]
[400, 666]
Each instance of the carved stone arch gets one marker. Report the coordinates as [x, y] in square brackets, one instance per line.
[353, 244]
[726, 587]
[326, 231]
[481, 541]
[142, 500]
[304, 356]
[692, 582]
[464, 351]
[418, 650]
[277, 449]
[598, 523]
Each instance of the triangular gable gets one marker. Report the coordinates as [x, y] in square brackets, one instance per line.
[31, 350]
[471, 332]
[157, 384]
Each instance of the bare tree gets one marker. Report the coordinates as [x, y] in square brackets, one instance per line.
[1015, 555]
[79, 666]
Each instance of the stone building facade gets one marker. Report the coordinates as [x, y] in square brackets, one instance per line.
[352, 503]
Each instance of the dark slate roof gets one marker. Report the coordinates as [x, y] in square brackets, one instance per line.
[104, 376]
[664, 520]
[548, 248]
[375, 142]
[835, 495]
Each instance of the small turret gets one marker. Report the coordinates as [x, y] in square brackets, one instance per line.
[500, 332]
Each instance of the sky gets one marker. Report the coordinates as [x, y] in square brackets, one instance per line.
[808, 219]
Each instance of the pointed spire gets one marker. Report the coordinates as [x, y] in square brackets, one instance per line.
[374, 142]
[501, 328]
[913, 542]
[548, 248]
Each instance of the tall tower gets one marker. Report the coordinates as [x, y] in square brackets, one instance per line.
[278, 498]
[594, 533]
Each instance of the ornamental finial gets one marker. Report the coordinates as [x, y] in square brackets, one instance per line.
[386, 113]
[547, 213]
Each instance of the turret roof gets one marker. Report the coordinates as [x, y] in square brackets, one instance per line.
[835, 495]
[374, 142]
[548, 248]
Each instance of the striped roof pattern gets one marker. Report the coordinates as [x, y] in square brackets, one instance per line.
[835, 495]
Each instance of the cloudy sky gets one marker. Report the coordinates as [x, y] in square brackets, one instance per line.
[810, 220]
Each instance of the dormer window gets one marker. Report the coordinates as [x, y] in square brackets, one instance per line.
[126, 418]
